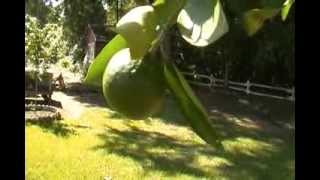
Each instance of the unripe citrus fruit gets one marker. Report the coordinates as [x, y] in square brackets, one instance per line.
[135, 88]
[138, 28]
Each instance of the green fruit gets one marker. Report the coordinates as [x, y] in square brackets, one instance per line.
[138, 28]
[135, 88]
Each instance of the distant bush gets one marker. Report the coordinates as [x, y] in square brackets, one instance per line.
[45, 44]
[75, 68]
[65, 62]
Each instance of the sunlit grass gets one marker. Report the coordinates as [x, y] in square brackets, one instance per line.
[102, 143]
[248, 146]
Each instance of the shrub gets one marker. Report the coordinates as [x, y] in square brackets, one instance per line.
[44, 45]
[65, 62]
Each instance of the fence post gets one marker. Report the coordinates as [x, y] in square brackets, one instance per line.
[248, 87]
[292, 94]
[194, 75]
[212, 82]
[226, 74]
[36, 83]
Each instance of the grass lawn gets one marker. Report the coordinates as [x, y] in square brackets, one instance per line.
[102, 143]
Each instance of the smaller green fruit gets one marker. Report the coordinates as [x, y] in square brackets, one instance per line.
[138, 28]
[135, 88]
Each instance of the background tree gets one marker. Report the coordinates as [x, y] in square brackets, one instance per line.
[40, 9]
[78, 14]
[267, 57]
[45, 44]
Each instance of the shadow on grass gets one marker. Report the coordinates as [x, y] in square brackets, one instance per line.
[250, 154]
[171, 113]
[138, 144]
[86, 95]
[219, 104]
[278, 112]
[56, 128]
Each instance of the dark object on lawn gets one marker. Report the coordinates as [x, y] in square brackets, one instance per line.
[39, 83]
[60, 85]
[43, 102]
[43, 113]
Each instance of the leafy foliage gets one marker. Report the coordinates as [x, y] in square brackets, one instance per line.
[117, 8]
[78, 14]
[267, 58]
[286, 8]
[202, 23]
[255, 18]
[44, 45]
[39, 9]
[167, 10]
[65, 62]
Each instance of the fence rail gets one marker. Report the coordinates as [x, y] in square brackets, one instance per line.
[238, 86]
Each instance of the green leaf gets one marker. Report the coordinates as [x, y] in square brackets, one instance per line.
[239, 7]
[272, 4]
[96, 69]
[140, 2]
[168, 10]
[138, 28]
[202, 23]
[192, 108]
[254, 19]
[286, 8]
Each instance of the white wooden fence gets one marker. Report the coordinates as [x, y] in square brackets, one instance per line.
[237, 86]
